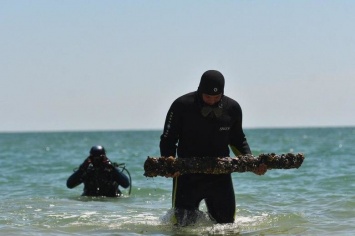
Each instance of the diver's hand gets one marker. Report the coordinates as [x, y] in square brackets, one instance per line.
[261, 169]
[85, 164]
[171, 175]
[176, 174]
[105, 160]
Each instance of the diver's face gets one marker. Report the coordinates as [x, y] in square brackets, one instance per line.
[211, 99]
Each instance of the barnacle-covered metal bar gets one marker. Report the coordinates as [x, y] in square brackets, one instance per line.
[168, 166]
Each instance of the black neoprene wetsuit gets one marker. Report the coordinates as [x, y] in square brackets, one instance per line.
[188, 133]
[99, 181]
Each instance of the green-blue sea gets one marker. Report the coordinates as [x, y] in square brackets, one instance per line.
[316, 199]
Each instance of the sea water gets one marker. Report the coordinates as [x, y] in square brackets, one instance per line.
[316, 199]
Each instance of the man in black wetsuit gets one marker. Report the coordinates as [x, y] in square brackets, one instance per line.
[204, 123]
[99, 175]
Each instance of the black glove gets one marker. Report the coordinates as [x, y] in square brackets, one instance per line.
[105, 160]
[85, 164]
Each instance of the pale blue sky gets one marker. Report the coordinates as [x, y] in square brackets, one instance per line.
[118, 65]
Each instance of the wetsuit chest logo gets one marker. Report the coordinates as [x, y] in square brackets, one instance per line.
[224, 128]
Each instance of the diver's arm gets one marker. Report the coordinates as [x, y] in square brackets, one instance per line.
[121, 178]
[76, 178]
[170, 136]
[238, 142]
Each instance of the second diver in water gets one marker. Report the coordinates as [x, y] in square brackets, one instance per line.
[99, 175]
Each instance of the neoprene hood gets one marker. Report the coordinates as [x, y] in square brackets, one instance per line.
[97, 151]
[212, 83]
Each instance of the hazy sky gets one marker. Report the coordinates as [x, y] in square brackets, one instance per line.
[118, 65]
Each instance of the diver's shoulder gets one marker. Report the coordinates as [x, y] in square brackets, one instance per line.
[230, 101]
[186, 98]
